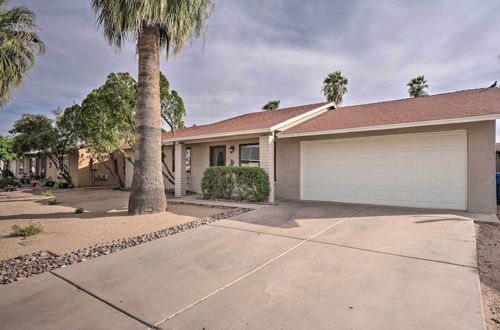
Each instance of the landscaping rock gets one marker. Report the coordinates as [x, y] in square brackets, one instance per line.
[21, 267]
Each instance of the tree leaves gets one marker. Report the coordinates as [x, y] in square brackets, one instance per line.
[334, 87]
[271, 105]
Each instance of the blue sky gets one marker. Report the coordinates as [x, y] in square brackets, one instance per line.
[255, 51]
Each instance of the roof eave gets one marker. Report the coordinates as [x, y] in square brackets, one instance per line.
[273, 128]
[391, 126]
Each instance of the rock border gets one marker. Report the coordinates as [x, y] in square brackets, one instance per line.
[21, 267]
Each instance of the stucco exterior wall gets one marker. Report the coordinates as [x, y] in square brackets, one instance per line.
[85, 174]
[481, 186]
[200, 159]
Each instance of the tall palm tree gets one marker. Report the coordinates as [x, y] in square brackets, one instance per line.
[19, 45]
[153, 25]
[271, 105]
[334, 87]
[416, 86]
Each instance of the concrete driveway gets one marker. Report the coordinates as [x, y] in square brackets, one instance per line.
[297, 265]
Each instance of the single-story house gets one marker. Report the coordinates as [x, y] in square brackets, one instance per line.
[84, 171]
[433, 151]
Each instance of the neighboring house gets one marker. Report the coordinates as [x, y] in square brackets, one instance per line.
[83, 171]
[430, 151]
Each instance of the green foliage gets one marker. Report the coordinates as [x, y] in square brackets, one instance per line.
[105, 120]
[53, 201]
[416, 86]
[6, 148]
[56, 138]
[172, 105]
[271, 105]
[8, 181]
[239, 183]
[179, 21]
[334, 87]
[48, 194]
[31, 229]
[79, 210]
[106, 116]
[19, 45]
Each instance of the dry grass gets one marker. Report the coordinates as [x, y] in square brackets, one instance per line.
[105, 219]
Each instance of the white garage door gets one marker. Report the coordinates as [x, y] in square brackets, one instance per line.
[418, 170]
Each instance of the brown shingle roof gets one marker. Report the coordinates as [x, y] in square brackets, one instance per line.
[249, 121]
[467, 103]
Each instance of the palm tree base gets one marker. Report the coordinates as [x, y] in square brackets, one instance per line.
[147, 201]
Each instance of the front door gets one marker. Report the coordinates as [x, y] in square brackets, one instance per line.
[218, 155]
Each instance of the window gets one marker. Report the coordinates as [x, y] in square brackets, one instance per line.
[21, 165]
[249, 155]
[188, 160]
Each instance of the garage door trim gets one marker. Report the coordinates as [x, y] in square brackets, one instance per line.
[460, 149]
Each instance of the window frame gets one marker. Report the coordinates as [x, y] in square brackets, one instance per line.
[248, 161]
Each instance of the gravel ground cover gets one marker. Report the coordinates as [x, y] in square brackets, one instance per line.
[488, 255]
[21, 267]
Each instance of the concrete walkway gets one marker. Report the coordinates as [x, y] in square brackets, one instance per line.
[290, 266]
[197, 199]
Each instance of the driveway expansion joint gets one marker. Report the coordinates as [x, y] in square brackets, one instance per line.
[95, 296]
[302, 241]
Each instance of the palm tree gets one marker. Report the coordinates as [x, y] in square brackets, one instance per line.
[417, 86]
[334, 87]
[19, 45]
[271, 105]
[153, 25]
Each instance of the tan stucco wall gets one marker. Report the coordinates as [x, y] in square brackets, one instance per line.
[481, 184]
[200, 159]
[97, 175]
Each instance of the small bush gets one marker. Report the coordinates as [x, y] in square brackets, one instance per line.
[79, 210]
[238, 183]
[48, 194]
[53, 201]
[9, 181]
[24, 232]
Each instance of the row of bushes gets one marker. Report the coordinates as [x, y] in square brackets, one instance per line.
[237, 183]
[8, 181]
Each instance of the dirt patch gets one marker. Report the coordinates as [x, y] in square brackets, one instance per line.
[488, 253]
[106, 219]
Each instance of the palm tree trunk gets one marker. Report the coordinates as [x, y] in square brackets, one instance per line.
[148, 192]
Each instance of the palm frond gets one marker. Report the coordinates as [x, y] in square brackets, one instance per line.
[179, 21]
[19, 45]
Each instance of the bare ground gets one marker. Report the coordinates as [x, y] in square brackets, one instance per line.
[488, 253]
[106, 219]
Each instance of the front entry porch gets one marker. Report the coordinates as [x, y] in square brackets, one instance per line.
[190, 158]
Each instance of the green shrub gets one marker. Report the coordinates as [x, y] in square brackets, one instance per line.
[9, 181]
[79, 210]
[24, 232]
[53, 201]
[239, 183]
[48, 194]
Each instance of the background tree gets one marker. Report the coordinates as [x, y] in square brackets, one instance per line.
[6, 151]
[334, 87]
[56, 138]
[271, 105]
[19, 45]
[153, 24]
[417, 86]
[172, 113]
[105, 122]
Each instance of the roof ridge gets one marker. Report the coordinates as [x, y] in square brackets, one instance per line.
[413, 98]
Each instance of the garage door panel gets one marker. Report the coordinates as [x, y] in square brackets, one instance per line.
[421, 170]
